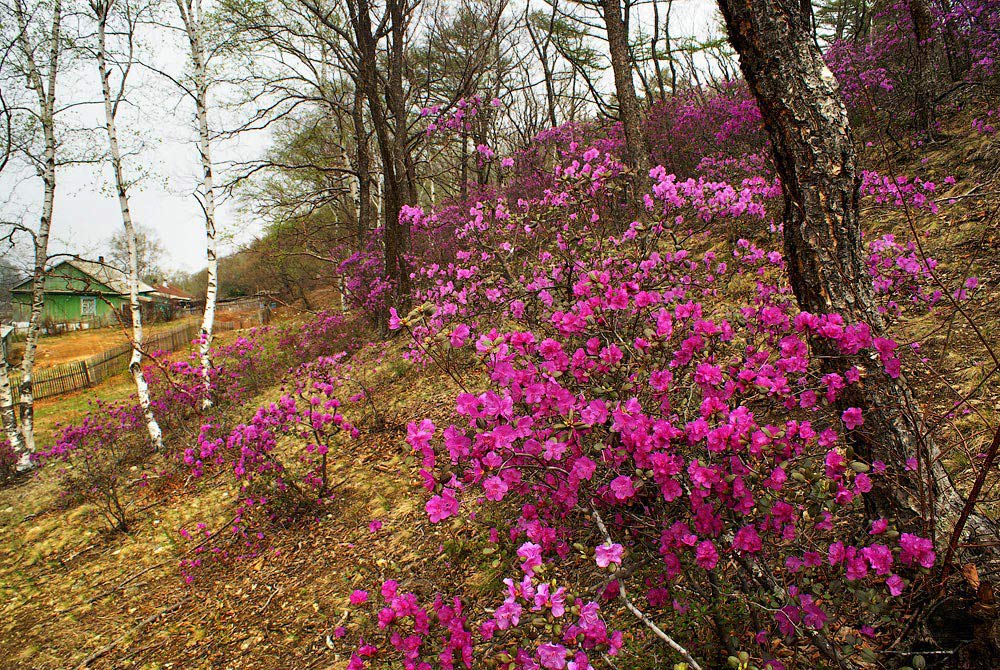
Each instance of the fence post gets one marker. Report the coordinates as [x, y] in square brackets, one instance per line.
[86, 373]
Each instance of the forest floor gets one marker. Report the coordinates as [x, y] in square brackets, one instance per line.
[75, 595]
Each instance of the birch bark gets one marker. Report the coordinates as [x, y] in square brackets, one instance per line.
[8, 415]
[44, 86]
[194, 26]
[111, 102]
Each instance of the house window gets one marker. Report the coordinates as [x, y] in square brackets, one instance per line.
[88, 306]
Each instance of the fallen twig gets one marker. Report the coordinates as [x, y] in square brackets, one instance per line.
[671, 642]
[142, 624]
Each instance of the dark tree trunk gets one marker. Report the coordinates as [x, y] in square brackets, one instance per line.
[652, 50]
[815, 158]
[628, 104]
[956, 50]
[670, 51]
[841, 25]
[923, 85]
[542, 50]
[390, 133]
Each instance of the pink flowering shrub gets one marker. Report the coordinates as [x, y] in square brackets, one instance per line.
[270, 492]
[8, 461]
[104, 457]
[278, 460]
[690, 126]
[878, 73]
[698, 430]
[95, 459]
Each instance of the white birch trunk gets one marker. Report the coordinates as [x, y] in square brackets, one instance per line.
[110, 112]
[46, 92]
[191, 15]
[9, 418]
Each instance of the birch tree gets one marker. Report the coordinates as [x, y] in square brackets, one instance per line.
[8, 415]
[193, 20]
[35, 49]
[128, 17]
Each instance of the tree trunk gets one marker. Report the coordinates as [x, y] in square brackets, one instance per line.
[628, 104]
[110, 112]
[193, 18]
[923, 86]
[8, 418]
[956, 50]
[814, 155]
[670, 49]
[390, 134]
[841, 24]
[652, 50]
[46, 92]
[542, 49]
[363, 167]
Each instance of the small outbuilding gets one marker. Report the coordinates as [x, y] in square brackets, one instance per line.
[170, 300]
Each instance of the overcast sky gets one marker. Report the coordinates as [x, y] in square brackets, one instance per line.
[158, 131]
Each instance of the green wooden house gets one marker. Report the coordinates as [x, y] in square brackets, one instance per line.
[79, 294]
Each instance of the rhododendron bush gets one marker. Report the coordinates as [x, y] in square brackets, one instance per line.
[877, 70]
[99, 456]
[692, 126]
[655, 430]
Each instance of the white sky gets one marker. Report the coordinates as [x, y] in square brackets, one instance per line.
[158, 130]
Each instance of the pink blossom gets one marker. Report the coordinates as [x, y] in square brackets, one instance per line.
[895, 584]
[606, 554]
[916, 549]
[852, 418]
[495, 488]
[442, 506]
[706, 555]
[622, 487]
[531, 553]
[747, 540]
[458, 335]
[552, 656]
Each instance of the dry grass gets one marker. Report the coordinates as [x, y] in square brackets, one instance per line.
[68, 347]
[69, 589]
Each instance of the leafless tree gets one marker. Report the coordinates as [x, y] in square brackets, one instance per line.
[113, 68]
[33, 36]
[193, 20]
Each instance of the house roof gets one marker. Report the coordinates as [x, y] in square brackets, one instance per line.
[109, 276]
[5, 330]
[172, 292]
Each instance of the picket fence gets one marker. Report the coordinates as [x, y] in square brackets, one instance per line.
[91, 371]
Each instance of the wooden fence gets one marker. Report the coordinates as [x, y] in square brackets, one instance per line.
[91, 371]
